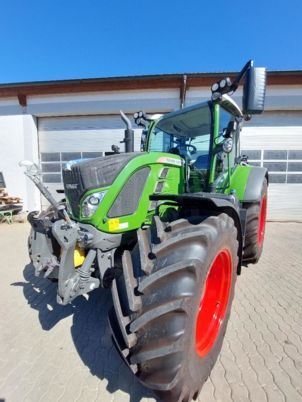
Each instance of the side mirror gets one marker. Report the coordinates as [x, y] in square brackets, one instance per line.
[232, 126]
[254, 91]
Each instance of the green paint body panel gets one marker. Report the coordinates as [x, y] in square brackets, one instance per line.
[233, 181]
[238, 181]
[215, 118]
[173, 183]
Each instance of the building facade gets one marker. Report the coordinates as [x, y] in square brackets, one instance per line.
[53, 122]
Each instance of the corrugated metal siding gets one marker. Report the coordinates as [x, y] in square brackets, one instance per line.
[273, 130]
[285, 202]
[104, 103]
[267, 134]
[82, 133]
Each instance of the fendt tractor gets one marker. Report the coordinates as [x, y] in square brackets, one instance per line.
[167, 229]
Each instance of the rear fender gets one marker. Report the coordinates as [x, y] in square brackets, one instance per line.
[254, 184]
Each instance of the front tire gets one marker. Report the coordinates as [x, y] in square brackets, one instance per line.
[173, 301]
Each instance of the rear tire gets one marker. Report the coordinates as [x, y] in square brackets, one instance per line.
[170, 315]
[255, 228]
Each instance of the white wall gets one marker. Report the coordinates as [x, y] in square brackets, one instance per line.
[19, 141]
[107, 102]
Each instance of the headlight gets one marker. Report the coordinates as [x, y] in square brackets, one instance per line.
[227, 145]
[91, 202]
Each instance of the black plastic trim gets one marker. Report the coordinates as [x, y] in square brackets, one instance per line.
[254, 184]
[211, 202]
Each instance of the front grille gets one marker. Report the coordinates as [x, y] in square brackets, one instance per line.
[128, 199]
[74, 188]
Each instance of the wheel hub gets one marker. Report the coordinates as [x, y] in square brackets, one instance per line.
[262, 221]
[214, 302]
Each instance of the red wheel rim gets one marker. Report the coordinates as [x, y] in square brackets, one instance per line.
[214, 302]
[262, 221]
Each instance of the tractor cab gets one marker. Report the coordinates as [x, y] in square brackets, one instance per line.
[204, 136]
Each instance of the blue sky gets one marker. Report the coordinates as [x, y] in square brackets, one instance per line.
[52, 39]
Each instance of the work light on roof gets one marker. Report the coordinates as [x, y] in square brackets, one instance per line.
[215, 86]
[222, 83]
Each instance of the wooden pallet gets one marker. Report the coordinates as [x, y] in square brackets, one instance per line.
[10, 200]
[3, 192]
[6, 199]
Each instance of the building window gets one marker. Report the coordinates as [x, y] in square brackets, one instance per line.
[52, 163]
[284, 166]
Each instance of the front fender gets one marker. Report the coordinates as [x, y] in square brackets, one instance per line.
[211, 203]
[246, 182]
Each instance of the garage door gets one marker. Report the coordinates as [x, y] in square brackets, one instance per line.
[274, 140]
[62, 139]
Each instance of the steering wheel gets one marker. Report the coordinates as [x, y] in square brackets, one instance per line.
[191, 148]
[175, 150]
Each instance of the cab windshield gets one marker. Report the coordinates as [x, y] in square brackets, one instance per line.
[186, 133]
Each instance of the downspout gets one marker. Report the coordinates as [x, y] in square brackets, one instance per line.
[182, 98]
[183, 91]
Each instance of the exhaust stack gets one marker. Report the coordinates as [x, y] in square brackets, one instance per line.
[129, 133]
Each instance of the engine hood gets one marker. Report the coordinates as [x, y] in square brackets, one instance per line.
[82, 176]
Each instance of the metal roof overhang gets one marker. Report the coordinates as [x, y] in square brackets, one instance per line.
[21, 90]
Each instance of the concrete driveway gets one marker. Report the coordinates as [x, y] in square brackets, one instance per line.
[54, 353]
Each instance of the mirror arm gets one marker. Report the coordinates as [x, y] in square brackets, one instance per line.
[236, 82]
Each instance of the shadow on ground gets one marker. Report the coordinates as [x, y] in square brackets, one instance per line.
[90, 331]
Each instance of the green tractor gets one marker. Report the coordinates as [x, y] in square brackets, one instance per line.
[167, 229]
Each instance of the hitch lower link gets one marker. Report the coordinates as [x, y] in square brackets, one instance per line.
[72, 282]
